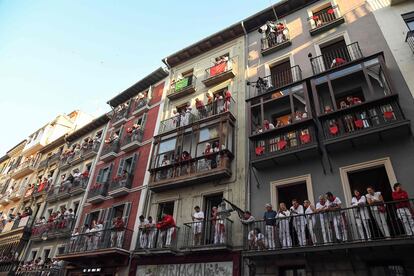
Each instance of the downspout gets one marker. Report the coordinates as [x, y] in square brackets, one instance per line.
[247, 163]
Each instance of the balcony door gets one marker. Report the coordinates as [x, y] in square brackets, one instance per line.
[335, 53]
[210, 202]
[281, 74]
[287, 193]
[165, 208]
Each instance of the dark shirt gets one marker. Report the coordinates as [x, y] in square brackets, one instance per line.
[270, 217]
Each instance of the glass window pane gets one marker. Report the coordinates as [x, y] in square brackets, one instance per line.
[168, 145]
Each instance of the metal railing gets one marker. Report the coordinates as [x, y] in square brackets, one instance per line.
[220, 68]
[281, 142]
[141, 103]
[112, 147]
[330, 226]
[120, 114]
[362, 117]
[275, 81]
[94, 147]
[26, 164]
[323, 17]
[35, 270]
[98, 189]
[60, 226]
[183, 84]
[153, 238]
[275, 38]
[96, 240]
[121, 182]
[218, 106]
[135, 136]
[410, 39]
[336, 58]
[209, 233]
[190, 168]
[43, 163]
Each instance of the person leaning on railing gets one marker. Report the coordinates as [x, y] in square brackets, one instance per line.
[167, 230]
[117, 233]
[404, 209]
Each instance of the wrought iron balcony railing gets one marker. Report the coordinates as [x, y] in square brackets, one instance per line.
[274, 81]
[59, 227]
[276, 39]
[157, 239]
[361, 224]
[221, 71]
[182, 87]
[194, 115]
[120, 185]
[98, 240]
[208, 233]
[98, 189]
[132, 140]
[325, 19]
[336, 58]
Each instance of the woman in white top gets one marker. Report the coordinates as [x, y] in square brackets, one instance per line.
[359, 201]
[283, 218]
[310, 219]
[376, 202]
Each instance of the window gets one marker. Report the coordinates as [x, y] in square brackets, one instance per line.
[165, 208]
[285, 190]
[292, 271]
[33, 255]
[127, 164]
[75, 207]
[46, 253]
[409, 20]
[281, 74]
[104, 174]
[60, 250]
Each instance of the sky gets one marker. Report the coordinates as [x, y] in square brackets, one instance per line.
[59, 56]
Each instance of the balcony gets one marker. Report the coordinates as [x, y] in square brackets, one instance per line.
[182, 87]
[109, 243]
[220, 72]
[332, 229]
[60, 228]
[410, 40]
[43, 164]
[155, 241]
[209, 112]
[215, 166]
[377, 117]
[120, 186]
[141, 105]
[132, 140]
[335, 58]
[41, 190]
[120, 115]
[78, 185]
[25, 223]
[52, 194]
[25, 168]
[274, 82]
[97, 193]
[110, 151]
[297, 140]
[4, 200]
[90, 150]
[51, 270]
[325, 20]
[275, 40]
[213, 235]
[28, 194]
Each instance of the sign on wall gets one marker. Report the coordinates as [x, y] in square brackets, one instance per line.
[191, 269]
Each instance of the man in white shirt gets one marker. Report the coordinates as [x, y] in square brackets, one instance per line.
[283, 217]
[151, 226]
[143, 231]
[376, 202]
[299, 221]
[334, 206]
[198, 218]
[359, 202]
[321, 209]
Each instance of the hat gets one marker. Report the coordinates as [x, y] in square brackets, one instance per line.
[268, 205]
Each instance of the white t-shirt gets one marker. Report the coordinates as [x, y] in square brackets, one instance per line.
[297, 211]
[375, 197]
[144, 223]
[357, 202]
[283, 214]
[336, 202]
[320, 206]
[198, 216]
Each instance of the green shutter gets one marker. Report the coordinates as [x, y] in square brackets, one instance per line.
[181, 84]
[133, 164]
[121, 166]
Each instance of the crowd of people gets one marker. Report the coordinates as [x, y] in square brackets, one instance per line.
[273, 34]
[14, 218]
[75, 178]
[59, 220]
[330, 222]
[219, 103]
[78, 148]
[41, 267]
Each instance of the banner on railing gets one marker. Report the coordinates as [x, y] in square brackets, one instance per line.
[190, 269]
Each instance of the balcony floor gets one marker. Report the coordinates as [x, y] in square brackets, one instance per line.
[327, 26]
[178, 182]
[229, 74]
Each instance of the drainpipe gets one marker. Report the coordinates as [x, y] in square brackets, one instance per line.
[247, 167]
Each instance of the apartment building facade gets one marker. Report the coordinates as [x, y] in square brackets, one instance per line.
[67, 162]
[115, 190]
[327, 103]
[197, 160]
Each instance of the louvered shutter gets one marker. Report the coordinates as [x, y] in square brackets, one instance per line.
[133, 164]
[127, 211]
[121, 167]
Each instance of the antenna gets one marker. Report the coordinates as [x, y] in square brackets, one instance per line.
[273, 9]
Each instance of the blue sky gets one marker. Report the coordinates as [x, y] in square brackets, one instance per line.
[57, 56]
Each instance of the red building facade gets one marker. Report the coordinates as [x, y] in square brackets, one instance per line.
[114, 194]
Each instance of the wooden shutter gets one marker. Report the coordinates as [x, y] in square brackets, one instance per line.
[133, 164]
[127, 211]
[109, 217]
[144, 120]
[121, 166]
[99, 176]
